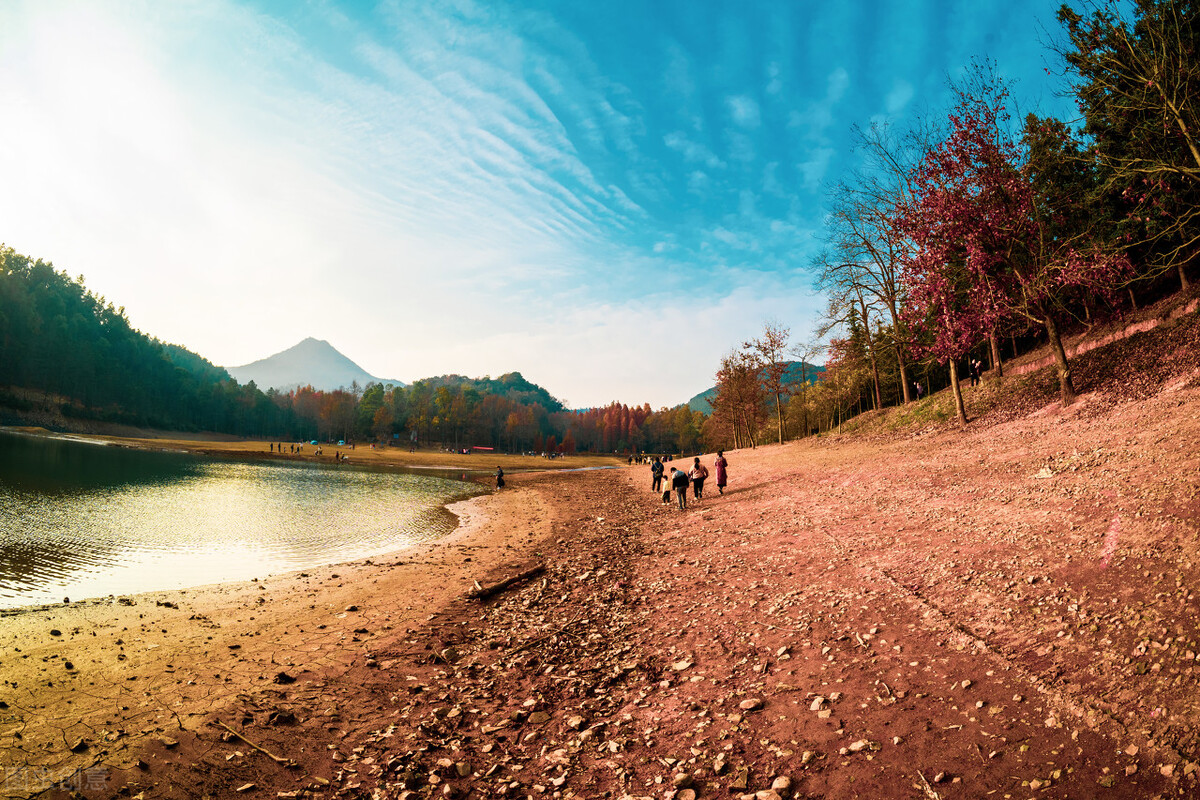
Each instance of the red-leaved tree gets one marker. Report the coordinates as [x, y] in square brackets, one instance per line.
[988, 242]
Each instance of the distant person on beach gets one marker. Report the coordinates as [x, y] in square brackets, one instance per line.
[920, 390]
[656, 473]
[722, 476]
[679, 482]
[499, 478]
[698, 473]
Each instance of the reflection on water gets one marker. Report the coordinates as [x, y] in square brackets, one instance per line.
[83, 520]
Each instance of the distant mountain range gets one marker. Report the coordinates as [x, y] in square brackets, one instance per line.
[312, 362]
[794, 374]
[317, 363]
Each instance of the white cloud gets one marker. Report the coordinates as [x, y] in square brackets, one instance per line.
[744, 112]
[692, 152]
[774, 80]
[812, 170]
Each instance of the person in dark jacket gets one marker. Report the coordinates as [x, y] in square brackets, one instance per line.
[679, 482]
[656, 475]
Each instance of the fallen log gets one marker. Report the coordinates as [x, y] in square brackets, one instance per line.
[484, 592]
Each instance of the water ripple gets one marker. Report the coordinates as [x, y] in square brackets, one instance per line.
[111, 521]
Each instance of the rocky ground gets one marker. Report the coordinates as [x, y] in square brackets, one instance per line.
[1003, 610]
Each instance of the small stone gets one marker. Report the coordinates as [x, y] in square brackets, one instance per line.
[538, 718]
[79, 746]
[686, 794]
[680, 666]
[681, 780]
[767, 794]
[741, 779]
[781, 784]
[1036, 784]
[751, 704]
[966, 684]
[55, 632]
[941, 776]
[897, 740]
[245, 787]
[806, 757]
[1131, 769]
[1167, 770]
[575, 722]
[352, 608]
[817, 704]
[169, 743]
[1018, 698]
[283, 678]
[1132, 750]
[719, 764]
[859, 746]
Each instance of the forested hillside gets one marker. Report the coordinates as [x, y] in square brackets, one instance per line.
[59, 339]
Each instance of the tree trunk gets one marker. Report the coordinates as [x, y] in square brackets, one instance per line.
[1132, 300]
[907, 392]
[957, 391]
[1065, 387]
[875, 378]
[779, 417]
[997, 361]
[1183, 279]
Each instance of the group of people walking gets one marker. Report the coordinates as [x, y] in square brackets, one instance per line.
[678, 480]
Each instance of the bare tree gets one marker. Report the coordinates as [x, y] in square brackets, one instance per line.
[770, 350]
[848, 301]
[805, 353]
[738, 403]
[864, 244]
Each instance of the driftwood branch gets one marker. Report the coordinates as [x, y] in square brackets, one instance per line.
[484, 592]
[278, 760]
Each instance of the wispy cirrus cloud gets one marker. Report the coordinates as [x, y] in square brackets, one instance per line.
[470, 186]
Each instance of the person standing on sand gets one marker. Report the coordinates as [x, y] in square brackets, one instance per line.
[679, 482]
[656, 473]
[698, 473]
[722, 476]
[499, 478]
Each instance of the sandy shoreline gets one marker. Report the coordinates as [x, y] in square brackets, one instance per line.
[382, 458]
[87, 685]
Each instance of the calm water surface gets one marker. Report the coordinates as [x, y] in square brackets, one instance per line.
[85, 520]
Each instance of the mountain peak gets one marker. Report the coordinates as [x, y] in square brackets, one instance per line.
[310, 362]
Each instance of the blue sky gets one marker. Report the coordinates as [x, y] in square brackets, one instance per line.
[605, 196]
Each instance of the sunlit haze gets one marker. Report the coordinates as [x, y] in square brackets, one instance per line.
[604, 196]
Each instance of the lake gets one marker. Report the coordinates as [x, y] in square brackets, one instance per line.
[84, 520]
